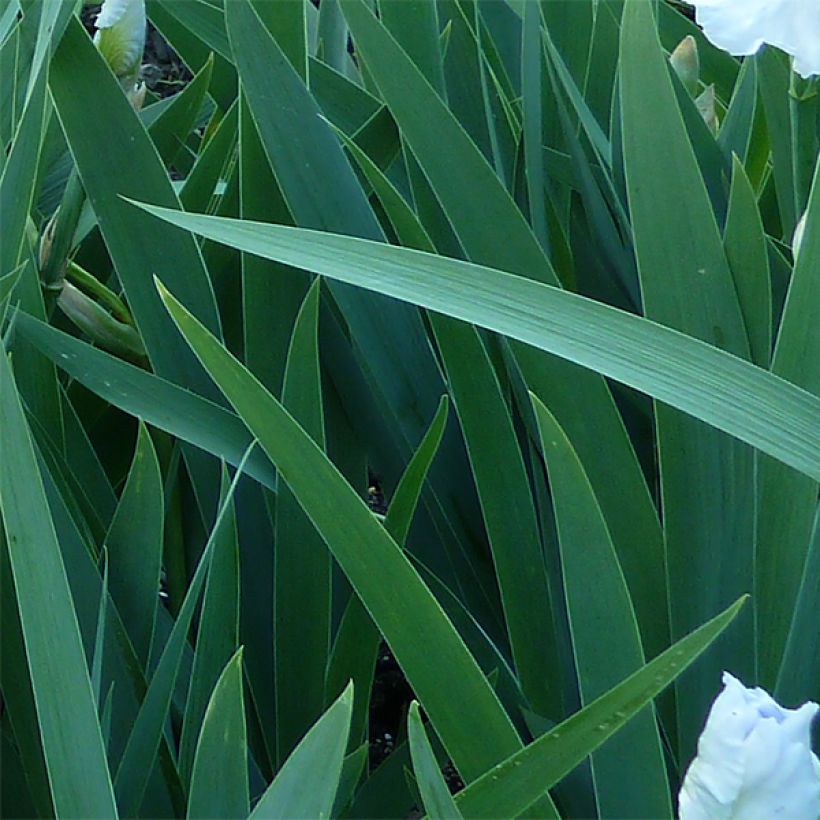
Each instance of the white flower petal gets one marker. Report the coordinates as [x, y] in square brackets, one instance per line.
[754, 760]
[741, 27]
[120, 36]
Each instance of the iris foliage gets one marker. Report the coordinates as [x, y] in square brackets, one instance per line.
[497, 263]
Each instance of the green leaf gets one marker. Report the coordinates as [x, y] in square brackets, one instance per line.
[211, 164]
[498, 469]
[305, 155]
[19, 176]
[438, 802]
[787, 499]
[8, 283]
[353, 658]
[736, 131]
[745, 244]
[473, 197]
[414, 23]
[195, 30]
[66, 711]
[271, 294]
[695, 295]
[135, 546]
[17, 692]
[302, 564]
[510, 788]
[629, 771]
[141, 749]
[283, 109]
[217, 633]
[287, 24]
[99, 641]
[440, 669]
[171, 129]
[352, 770]
[219, 781]
[703, 381]
[356, 645]
[774, 75]
[533, 128]
[316, 761]
[506, 506]
[406, 496]
[800, 665]
[332, 35]
[115, 157]
[154, 400]
[476, 197]
[18, 184]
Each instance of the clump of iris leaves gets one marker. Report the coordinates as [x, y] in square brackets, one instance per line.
[494, 258]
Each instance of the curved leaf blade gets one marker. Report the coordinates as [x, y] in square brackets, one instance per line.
[317, 760]
[510, 788]
[441, 670]
[731, 394]
[66, 710]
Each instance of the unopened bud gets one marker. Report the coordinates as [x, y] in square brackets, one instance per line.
[686, 63]
[46, 241]
[120, 37]
[136, 96]
[797, 238]
[707, 106]
[90, 317]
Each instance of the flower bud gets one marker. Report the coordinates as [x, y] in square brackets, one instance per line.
[797, 238]
[707, 106]
[754, 760]
[90, 317]
[686, 63]
[46, 241]
[136, 96]
[120, 37]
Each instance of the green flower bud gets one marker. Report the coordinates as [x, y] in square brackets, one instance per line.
[90, 317]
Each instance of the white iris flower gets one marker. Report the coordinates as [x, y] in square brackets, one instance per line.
[754, 760]
[120, 37]
[743, 26]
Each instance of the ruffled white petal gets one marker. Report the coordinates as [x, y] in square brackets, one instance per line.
[754, 760]
[741, 27]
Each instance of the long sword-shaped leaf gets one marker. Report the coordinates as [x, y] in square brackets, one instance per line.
[154, 400]
[434, 792]
[114, 155]
[135, 546]
[217, 634]
[709, 543]
[143, 742]
[66, 710]
[509, 789]
[302, 564]
[787, 499]
[727, 392]
[219, 782]
[629, 771]
[441, 671]
[317, 760]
